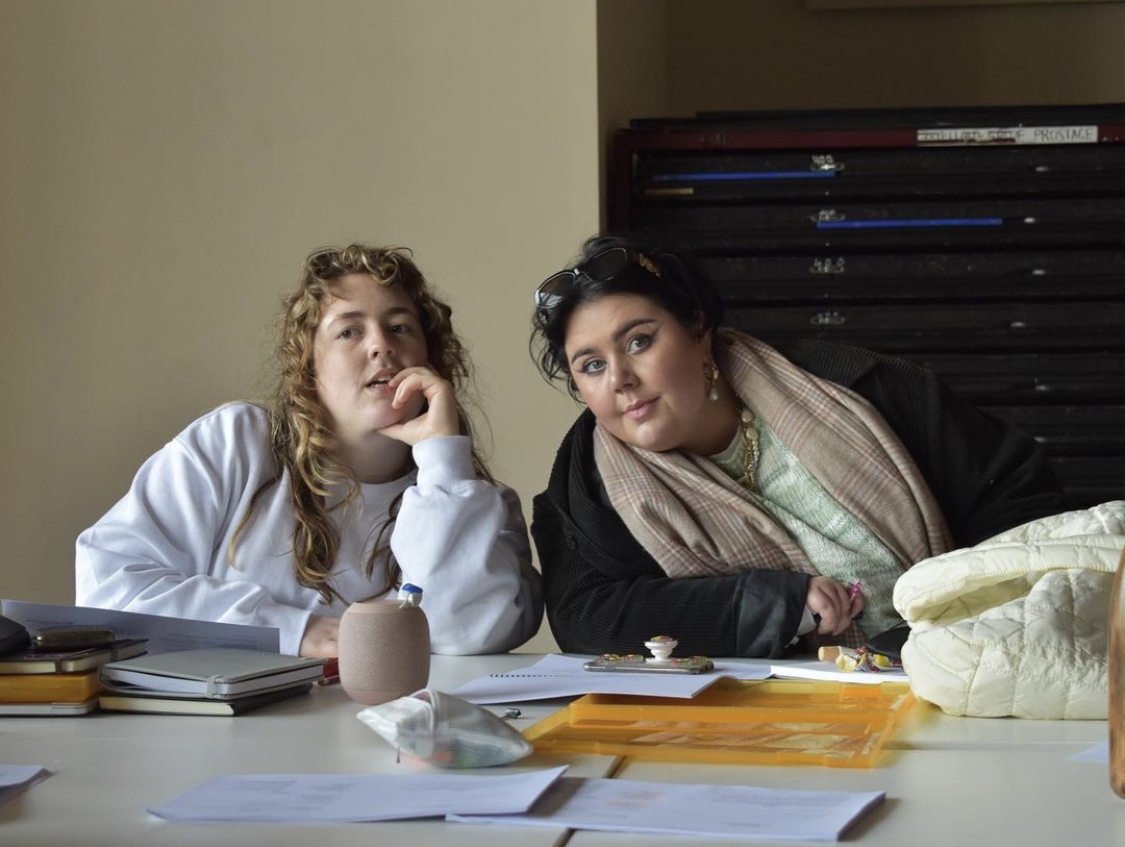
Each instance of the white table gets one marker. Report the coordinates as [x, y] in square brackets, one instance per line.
[108, 767]
[927, 728]
[987, 797]
[949, 781]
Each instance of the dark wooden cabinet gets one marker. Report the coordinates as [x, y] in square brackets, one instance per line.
[985, 243]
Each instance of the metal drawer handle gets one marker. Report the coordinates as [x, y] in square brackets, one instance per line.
[825, 162]
[822, 267]
[828, 319]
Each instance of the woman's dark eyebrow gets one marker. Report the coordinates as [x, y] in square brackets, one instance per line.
[629, 326]
[621, 331]
[346, 316]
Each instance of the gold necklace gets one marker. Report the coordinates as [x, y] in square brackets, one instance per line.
[751, 450]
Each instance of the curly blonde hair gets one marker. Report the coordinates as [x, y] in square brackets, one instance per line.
[301, 435]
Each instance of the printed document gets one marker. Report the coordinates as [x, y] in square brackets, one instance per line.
[165, 635]
[562, 676]
[711, 811]
[354, 798]
[15, 778]
[1098, 754]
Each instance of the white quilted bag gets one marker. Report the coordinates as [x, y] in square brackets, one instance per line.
[1017, 625]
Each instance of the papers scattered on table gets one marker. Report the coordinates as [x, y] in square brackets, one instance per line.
[539, 798]
[562, 676]
[1098, 754]
[353, 798]
[164, 635]
[712, 811]
[16, 778]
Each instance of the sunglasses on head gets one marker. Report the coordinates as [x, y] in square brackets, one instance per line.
[603, 266]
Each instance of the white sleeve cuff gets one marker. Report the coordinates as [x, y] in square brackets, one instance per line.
[444, 461]
[808, 624]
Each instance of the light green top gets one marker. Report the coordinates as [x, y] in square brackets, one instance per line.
[837, 543]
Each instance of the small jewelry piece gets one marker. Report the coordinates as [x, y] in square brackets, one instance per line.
[711, 380]
[661, 660]
[661, 647]
[750, 443]
[648, 264]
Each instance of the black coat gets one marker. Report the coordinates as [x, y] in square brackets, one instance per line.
[606, 594]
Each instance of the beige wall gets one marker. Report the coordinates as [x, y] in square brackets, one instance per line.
[633, 70]
[778, 54]
[167, 165]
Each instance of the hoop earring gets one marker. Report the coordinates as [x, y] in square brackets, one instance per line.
[711, 380]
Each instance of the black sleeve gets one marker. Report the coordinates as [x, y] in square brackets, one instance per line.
[987, 475]
[598, 602]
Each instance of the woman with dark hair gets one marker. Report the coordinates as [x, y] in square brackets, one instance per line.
[737, 496]
[359, 476]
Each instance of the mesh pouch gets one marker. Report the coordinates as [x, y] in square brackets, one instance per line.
[446, 730]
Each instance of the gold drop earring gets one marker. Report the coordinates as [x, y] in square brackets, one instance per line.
[711, 380]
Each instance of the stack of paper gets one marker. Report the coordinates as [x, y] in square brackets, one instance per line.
[60, 679]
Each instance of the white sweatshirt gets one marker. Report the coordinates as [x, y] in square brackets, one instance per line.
[163, 549]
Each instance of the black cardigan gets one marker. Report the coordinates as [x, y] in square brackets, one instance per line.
[606, 594]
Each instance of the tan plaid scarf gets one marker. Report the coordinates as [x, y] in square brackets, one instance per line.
[695, 520]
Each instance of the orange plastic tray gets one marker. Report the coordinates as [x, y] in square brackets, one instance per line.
[767, 722]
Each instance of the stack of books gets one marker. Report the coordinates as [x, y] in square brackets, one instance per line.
[39, 681]
[207, 681]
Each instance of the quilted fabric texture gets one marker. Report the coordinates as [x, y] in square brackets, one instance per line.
[1017, 625]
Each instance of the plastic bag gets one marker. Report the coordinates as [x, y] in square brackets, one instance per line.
[446, 730]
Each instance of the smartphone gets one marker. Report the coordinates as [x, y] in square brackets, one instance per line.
[12, 635]
[72, 637]
[638, 664]
[889, 642]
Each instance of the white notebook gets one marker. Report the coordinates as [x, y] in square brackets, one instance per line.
[216, 672]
